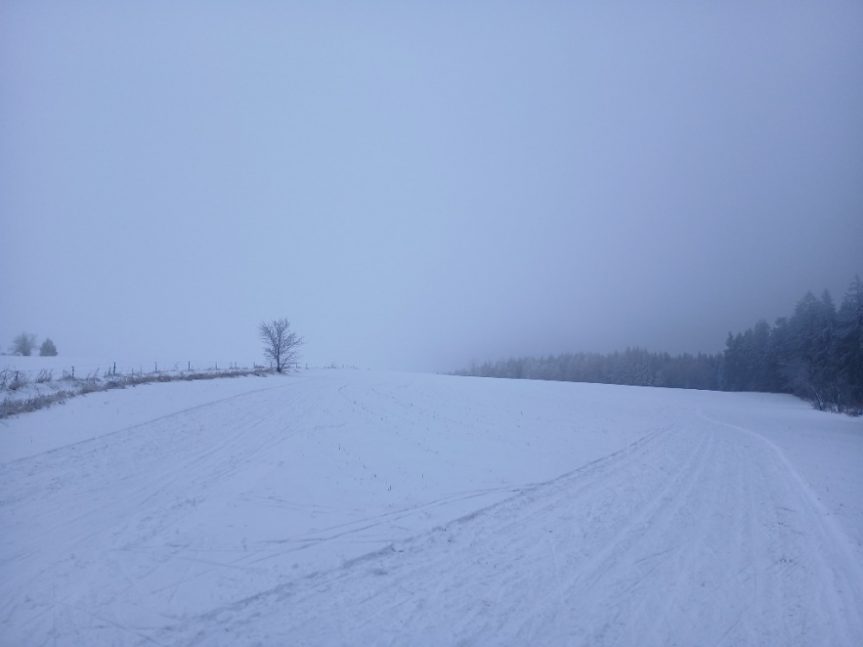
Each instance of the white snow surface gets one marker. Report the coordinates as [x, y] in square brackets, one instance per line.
[364, 508]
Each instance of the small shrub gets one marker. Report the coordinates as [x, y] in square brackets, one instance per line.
[18, 380]
[10, 407]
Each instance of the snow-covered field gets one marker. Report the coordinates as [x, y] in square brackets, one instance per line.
[360, 508]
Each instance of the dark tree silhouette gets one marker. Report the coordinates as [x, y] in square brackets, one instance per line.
[48, 349]
[23, 344]
[816, 354]
[280, 346]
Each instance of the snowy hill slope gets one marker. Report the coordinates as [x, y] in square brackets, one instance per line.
[345, 507]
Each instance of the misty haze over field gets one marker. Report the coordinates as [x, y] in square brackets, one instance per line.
[420, 186]
[212, 212]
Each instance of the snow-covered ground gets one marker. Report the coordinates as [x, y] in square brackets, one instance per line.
[356, 508]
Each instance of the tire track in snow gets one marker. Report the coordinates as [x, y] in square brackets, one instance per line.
[533, 498]
[698, 536]
[814, 540]
[173, 462]
[158, 419]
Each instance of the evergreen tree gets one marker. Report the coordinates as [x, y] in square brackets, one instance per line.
[849, 346]
[48, 349]
[816, 353]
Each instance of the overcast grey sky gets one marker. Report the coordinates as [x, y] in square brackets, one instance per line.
[416, 185]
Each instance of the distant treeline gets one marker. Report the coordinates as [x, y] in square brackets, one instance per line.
[816, 354]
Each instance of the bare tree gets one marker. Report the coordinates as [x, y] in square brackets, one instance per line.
[23, 344]
[280, 346]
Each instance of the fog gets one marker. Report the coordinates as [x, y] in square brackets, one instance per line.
[420, 185]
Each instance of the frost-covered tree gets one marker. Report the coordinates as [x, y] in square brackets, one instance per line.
[23, 344]
[809, 368]
[816, 353]
[280, 346]
[48, 349]
[849, 345]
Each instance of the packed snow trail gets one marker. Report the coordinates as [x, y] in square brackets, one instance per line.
[686, 537]
[388, 509]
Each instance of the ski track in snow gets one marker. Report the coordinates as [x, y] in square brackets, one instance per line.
[678, 528]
